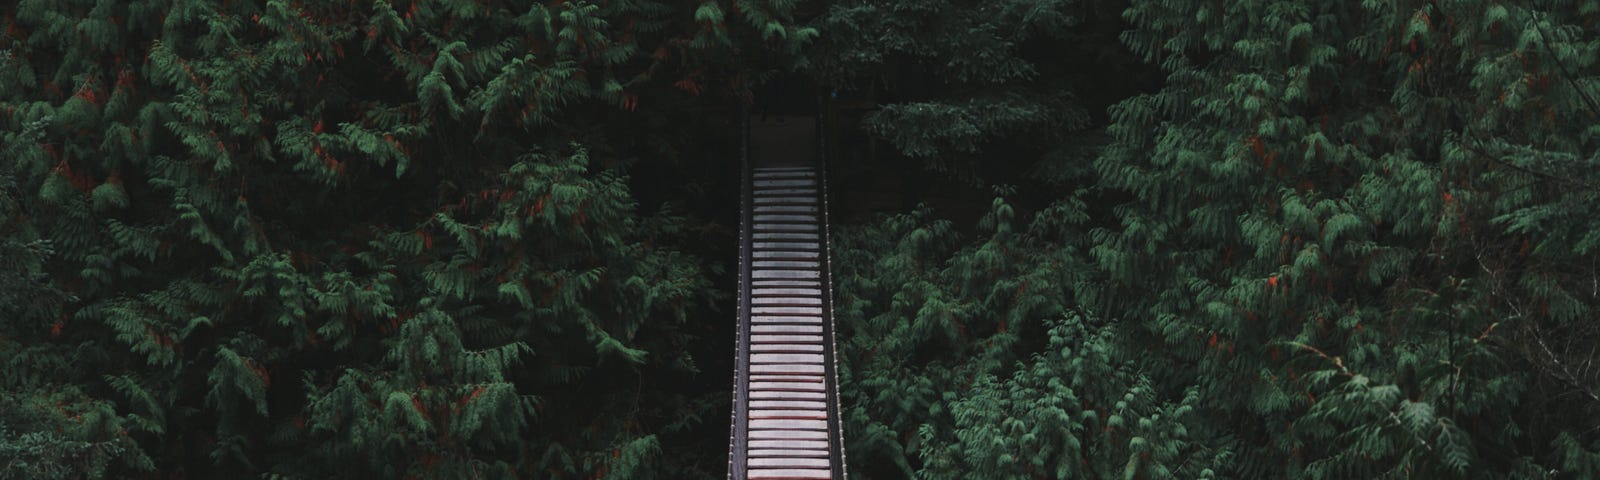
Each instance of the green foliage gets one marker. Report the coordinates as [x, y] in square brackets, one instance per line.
[1344, 232]
[360, 239]
[954, 81]
[981, 359]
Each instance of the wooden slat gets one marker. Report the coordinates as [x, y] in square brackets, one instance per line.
[754, 338]
[786, 209]
[788, 474]
[785, 254]
[787, 404]
[790, 462]
[786, 227]
[759, 310]
[787, 174]
[801, 319]
[811, 247]
[787, 395]
[785, 348]
[761, 217]
[785, 236]
[788, 435]
[785, 200]
[793, 274]
[786, 182]
[789, 413]
[786, 378]
[806, 264]
[790, 444]
[785, 192]
[791, 301]
[787, 368]
[785, 329]
[779, 452]
[787, 292]
[786, 358]
[787, 387]
[785, 283]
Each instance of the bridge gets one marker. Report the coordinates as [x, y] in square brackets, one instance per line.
[785, 397]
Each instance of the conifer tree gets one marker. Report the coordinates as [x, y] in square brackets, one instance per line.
[979, 359]
[1355, 230]
[390, 239]
[978, 93]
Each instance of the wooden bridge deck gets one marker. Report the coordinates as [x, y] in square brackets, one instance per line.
[785, 419]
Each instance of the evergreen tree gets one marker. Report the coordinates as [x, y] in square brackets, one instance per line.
[1356, 231]
[979, 360]
[975, 92]
[360, 239]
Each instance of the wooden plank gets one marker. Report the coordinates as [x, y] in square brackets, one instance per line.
[784, 182]
[785, 192]
[785, 348]
[786, 378]
[785, 283]
[786, 209]
[788, 434]
[787, 474]
[790, 414]
[785, 254]
[786, 200]
[785, 329]
[760, 176]
[786, 358]
[790, 444]
[787, 395]
[772, 217]
[815, 368]
[785, 310]
[788, 274]
[760, 310]
[790, 462]
[786, 236]
[787, 387]
[755, 338]
[788, 424]
[786, 246]
[788, 292]
[801, 319]
[792, 301]
[788, 405]
[811, 264]
[782, 452]
[786, 227]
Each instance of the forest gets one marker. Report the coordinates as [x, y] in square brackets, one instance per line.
[1073, 239]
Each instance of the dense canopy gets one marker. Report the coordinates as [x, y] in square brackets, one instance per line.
[1075, 238]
